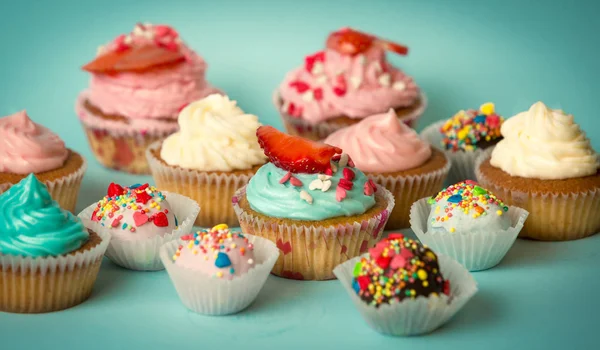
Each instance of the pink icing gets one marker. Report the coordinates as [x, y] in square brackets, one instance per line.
[382, 144]
[27, 147]
[331, 84]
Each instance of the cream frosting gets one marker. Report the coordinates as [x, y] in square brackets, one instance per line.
[381, 143]
[215, 135]
[27, 147]
[546, 144]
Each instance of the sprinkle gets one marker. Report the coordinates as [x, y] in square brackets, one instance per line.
[219, 274]
[285, 178]
[323, 177]
[316, 184]
[307, 197]
[340, 194]
[295, 182]
[499, 212]
[343, 160]
[399, 85]
[222, 260]
[326, 185]
[348, 174]
[367, 189]
[308, 96]
[385, 79]
[452, 229]
[250, 261]
[355, 81]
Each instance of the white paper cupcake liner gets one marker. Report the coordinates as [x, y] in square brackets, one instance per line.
[476, 250]
[209, 295]
[34, 285]
[421, 315]
[143, 254]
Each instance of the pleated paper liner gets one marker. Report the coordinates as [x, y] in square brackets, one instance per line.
[317, 132]
[64, 189]
[414, 316]
[143, 254]
[211, 190]
[38, 285]
[476, 250]
[463, 163]
[552, 216]
[311, 252]
[209, 295]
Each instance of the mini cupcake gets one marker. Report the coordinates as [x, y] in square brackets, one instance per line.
[546, 165]
[218, 272]
[140, 219]
[468, 223]
[215, 153]
[313, 203]
[464, 137]
[392, 155]
[140, 81]
[350, 80]
[27, 147]
[403, 288]
[48, 260]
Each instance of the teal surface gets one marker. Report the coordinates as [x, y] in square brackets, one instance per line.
[463, 53]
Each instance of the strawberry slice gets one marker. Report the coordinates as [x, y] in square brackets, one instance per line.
[293, 153]
[353, 42]
[135, 59]
[392, 46]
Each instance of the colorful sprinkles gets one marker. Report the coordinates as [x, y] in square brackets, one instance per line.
[466, 130]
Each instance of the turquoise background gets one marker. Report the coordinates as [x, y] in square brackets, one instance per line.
[463, 53]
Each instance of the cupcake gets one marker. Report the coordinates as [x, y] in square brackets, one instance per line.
[464, 137]
[140, 219]
[215, 153]
[546, 165]
[27, 147]
[218, 272]
[313, 204]
[468, 223]
[48, 260]
[349, 80]
[403, 288]
[392, 155]
[140, 81]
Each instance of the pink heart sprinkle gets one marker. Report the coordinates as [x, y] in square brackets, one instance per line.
[367, 189]
[397, 262]
[329, 172]
[348, 174]
[140, 218]
[340, 194]
[406, 254]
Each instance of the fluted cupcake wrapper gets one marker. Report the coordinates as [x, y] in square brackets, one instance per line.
[63, 190]
[46, 284]
[414, 316]
[463, 162]
[476, 250]
[143, 254]
[209, 295]
[311, 251]
[212, 191]
[298, 126]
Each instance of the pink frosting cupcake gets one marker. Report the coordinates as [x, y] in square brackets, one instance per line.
[394, 156]
[348, 81]
[140, 82]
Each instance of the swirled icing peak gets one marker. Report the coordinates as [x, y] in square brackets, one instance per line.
[215, 135]
[381, 143]
[472, 129]
[32, 224]
[27, 147]
[546, 144]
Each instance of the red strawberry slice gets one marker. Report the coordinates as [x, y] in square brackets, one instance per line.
[293, 153]
[392, 46]
[161, 220]
[349, 41]
[114, 190]
[134, 59]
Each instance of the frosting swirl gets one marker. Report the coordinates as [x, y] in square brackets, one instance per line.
[545, 144]
[381, 143]
[27, 147]
[32, 224]
[215, 135]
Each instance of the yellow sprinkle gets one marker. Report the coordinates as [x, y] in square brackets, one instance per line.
[233, 245]
[219, 274]
[425, 284]
[422, 274]
[195, 252]
[220, 227]
[191, 244]
[487, 108]
[499, 212]
[174, 257]
[452, 229]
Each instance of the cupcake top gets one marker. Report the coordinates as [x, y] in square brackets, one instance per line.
[33, 225]
[545, 144]
[465, 207]
[381, 143]
[27, 147]
[472, 129]
[215, 135]
[216, 252]
[149, 73]
[398, 268]
[351, 77]
[135, 212]
[307, 180]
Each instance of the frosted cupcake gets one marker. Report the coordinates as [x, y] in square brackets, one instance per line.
[48, 259]
[546, 165]
[464, 137]
[27, 147]
[392, 155]
[313, 203]
[351, 79]
[215, 153]
[140, 82]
